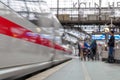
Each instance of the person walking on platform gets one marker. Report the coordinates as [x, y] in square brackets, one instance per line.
[111, 45]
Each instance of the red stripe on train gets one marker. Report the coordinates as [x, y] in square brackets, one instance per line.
[12, 29]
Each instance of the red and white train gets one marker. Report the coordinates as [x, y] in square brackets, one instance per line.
[22, 49]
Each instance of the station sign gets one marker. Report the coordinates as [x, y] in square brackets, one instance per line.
[98, 37]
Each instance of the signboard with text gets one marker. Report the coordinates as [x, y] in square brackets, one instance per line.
[98, 37]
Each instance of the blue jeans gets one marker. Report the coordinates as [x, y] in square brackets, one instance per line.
[111, 54]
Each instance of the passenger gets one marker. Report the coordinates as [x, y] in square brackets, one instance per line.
[93, 47]
[100, 49]
[79, 49]
[111, 45]
[85, 50]
[81, 53]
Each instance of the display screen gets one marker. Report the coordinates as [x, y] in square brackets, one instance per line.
[98, 37]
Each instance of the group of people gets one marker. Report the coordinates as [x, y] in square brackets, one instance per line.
[87, 51]
[93, 50]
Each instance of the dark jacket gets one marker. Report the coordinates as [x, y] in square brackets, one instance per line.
[111, 42]
[93, 45]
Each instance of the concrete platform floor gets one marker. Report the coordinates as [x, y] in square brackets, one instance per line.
[83, 70]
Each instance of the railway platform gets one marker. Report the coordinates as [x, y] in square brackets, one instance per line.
[81, 70]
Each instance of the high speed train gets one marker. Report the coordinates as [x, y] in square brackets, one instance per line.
[22, 48]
